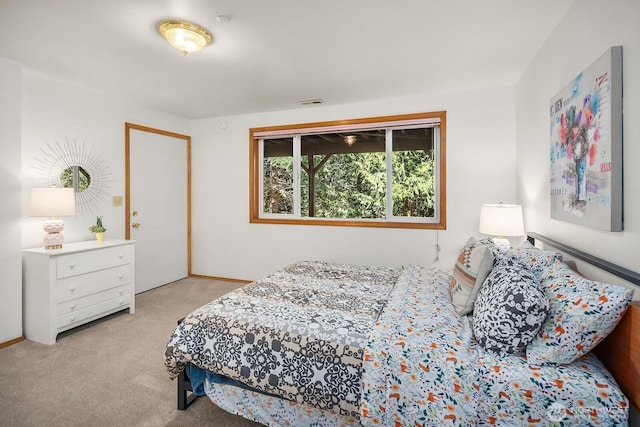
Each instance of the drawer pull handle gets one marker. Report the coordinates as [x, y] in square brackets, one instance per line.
[71, 289]
[72, 266]
[120, 256]
[120, 291]
[72, 318]
[120, 277]
[72, 306]
[121, 302]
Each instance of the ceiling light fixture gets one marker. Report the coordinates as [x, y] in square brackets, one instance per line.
[185, 36]
[350, 140]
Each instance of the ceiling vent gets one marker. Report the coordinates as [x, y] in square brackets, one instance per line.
[311, 102]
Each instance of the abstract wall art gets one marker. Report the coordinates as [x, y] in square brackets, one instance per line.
[586, 146]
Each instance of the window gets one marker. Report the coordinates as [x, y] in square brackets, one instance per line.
[376, 172]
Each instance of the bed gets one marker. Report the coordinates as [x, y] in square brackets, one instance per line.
[331, 344]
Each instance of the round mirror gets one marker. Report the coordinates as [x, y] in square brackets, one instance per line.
[75, 177]
[77, 166]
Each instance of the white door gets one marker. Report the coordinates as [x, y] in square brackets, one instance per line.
[157, 205]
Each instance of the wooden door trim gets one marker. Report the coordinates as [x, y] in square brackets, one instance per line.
[127, 179]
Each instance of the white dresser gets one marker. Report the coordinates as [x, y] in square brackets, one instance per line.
[83, 281]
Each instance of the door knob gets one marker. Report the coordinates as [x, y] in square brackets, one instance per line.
[135, 225]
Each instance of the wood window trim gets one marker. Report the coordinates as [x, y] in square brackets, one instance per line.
[254, 183]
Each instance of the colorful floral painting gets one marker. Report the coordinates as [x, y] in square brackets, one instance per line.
[586, 146]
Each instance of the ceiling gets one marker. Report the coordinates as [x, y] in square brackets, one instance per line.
[272, 54]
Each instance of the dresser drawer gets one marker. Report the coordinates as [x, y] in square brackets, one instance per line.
[75, 318]
[79, 286]
[84, 302]
[83, 262]
[74, 285]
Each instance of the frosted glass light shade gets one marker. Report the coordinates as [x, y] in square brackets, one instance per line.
[185, 36]
[501, 220]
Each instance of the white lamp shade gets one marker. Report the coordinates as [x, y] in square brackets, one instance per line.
[501, 220]
[52, 202]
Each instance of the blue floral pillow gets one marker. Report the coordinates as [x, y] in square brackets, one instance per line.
[581, 314]
[509, 310]
[533, 258]
[498, 254]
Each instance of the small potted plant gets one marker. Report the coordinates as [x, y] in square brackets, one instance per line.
[98, 229]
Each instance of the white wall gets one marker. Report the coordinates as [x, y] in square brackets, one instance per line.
[588, 30]
[10, 212]
[480, 135]
[480, 169]
[54, 111]
[36, 111]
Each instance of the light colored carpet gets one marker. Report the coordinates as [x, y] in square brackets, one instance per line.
[110, 372]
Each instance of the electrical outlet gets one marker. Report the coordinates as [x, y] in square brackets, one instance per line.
[116, 201]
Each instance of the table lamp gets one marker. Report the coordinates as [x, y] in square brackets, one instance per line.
[52, 202]
[501, 220]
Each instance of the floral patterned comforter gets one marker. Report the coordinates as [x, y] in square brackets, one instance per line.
[422, 367]
[298, 334]
[348, 345]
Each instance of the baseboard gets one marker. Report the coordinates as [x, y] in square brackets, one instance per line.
[224, 279]
[11, 342]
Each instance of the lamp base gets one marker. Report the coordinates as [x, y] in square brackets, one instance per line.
[53, 238]
[502, 243]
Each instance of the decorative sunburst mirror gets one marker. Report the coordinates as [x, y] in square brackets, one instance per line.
[73, 165]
